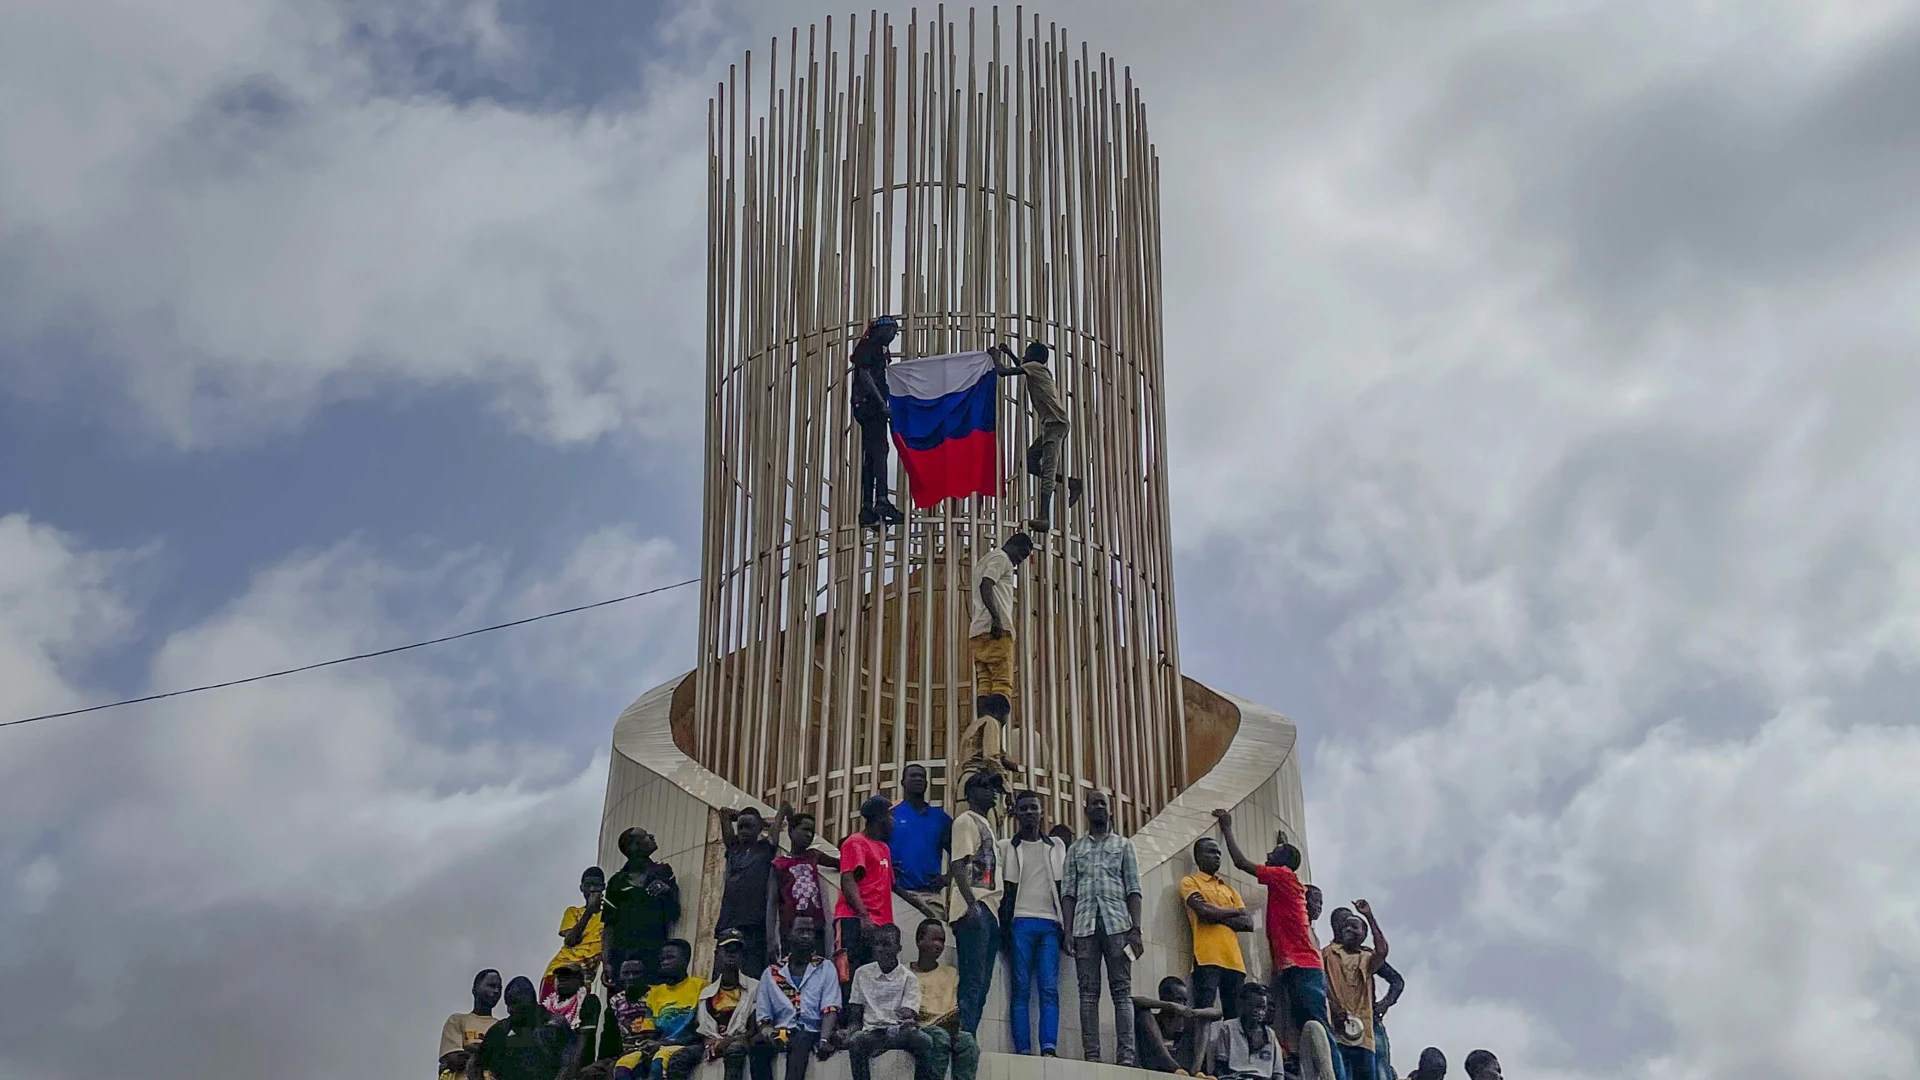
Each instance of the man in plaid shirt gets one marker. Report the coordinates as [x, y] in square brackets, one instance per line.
[1100, 897]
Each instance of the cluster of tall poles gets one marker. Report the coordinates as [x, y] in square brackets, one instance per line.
[982, 183]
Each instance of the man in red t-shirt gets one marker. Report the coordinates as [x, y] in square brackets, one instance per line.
[1299, 984]
[866, 882]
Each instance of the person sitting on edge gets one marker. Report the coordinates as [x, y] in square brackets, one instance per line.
[670, 1044]
[974, 910]
[868, 397]
[627, 1032]
[883, 1010]
[749, 874]
[1168, 1030]
[726, 1006]
[461, 1034]
[1433, 1065]
[1217, 916]
[1482, 1065]
[1032, 864]
[642, 904]
[1350, 967]
[866, 861]
[570, 1000]
[922, 833]
[797, 891]
[1100, 901]
[580, 932]
[1244, 1047]
[528, 1044]
[795, 1008]
[955, 1052]
[1050, 416]
[991, 649]
[1298, 982]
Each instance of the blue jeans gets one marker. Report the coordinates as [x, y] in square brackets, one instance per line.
[1036, 958]
[976, 941]
[1306, 991]
[1357, 1061]
[1382, 1053]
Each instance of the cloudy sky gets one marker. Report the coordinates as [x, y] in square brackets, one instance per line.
[1541, 389]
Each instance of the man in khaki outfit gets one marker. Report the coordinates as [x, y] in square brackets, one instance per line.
[990, 644]
[1050, 414]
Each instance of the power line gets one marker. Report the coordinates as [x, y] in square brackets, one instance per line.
[350, 659]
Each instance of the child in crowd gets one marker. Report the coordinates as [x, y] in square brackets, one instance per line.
[463, 1031]
[671, 1043]
[1244, 1047]
[580, 932]
[953, 1048]
[1168, 1030]
[798, 894]
[726, 1005]
[885, 1009]
[796, 1008]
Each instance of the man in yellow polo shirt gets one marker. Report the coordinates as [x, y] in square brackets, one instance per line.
[1218, 916]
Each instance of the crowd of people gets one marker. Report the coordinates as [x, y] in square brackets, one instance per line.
[794, 983]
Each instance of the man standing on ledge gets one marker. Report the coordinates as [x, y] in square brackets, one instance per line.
[1100, 896]
[870, 410]
[1043, 456]
[990, 641]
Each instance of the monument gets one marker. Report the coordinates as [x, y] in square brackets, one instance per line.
[983, 181]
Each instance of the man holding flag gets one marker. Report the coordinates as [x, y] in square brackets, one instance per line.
[1043, 457]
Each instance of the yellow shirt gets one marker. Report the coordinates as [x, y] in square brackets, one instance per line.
[589, 947]
[939, 991]
[1213, 944]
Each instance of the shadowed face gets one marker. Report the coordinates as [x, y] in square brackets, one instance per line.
[521, 999]
[1254, 1006]
[567, 982]
[1315, 901]
[633, 975]
[727, 958]
[748, 826]
[1098, 814]
[914, 782]
[673, 964]
[486, 992]
[886, 946]
[800, 833]
[1027, 812]
[1206, 856]
[801, 940]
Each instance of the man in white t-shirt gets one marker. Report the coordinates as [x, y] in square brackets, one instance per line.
[973, 904]
[1032, 865]
[885, 1004]
[990, 644]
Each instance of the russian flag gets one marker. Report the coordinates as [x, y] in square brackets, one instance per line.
[943, 408]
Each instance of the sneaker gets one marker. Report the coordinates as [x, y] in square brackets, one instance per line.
[869, 518]
[1076, 487]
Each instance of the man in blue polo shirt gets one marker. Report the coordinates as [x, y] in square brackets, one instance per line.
[922, 833]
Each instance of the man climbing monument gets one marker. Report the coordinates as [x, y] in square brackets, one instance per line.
[990, 643]
[1050, 416]
[872, 413]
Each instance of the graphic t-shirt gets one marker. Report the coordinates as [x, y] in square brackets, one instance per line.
[800, 894]
[628, 1014]
[1288, 932]
[916, 844]
[973, 838]
[673, 1010]
[461, 1029]
[876, 885]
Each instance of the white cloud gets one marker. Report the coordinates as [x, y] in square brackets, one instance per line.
[230, 207]
[371, 797]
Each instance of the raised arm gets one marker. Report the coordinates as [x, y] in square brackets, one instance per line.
[1379, 939]
[1012, 367]
[1239, 858]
